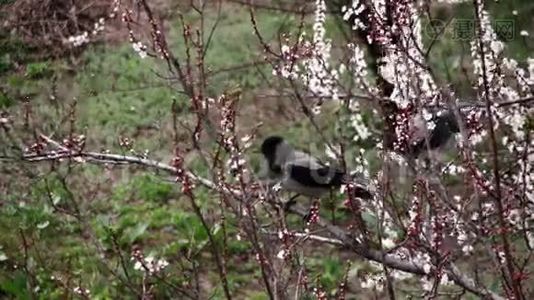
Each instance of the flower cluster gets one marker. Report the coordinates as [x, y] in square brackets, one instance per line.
[286, 238]
[416, 217]
[140, 49]
[149, 264]
[373, 281]
[78, 40]
[313, 215]
[354, 11]
[288, 67]
[98, 27]
[375, 278]
[181, 174]
[400, 66]
[158, 40]
[229, 140]
[361, 129]
[81, 292]
[125, 142]
[309, 61]
[489, 75]
[321, 81]
[320, 293]
[428, 283]
[116, 6]
[74, 142]
[359, 68]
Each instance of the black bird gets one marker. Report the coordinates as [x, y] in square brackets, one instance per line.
[302, 173]
[446, 126]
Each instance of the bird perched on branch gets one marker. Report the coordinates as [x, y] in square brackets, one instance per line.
[445, 126]
[302, 173]
[432, 133]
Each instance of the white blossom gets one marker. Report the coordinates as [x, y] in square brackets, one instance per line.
[281, 254]
[359, 67]
[373, 281]
[362, 131]
[78, 40]
[355, 10]
[150, 264]
[81, 291]
[318, 76]
[140, 49]
[247, 141]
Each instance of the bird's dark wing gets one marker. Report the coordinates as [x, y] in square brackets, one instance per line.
[361, 192]
[441, 134]
[324, 177]
[445, 127]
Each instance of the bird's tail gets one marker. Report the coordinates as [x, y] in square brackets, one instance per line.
[359, 188]
[362, 192]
